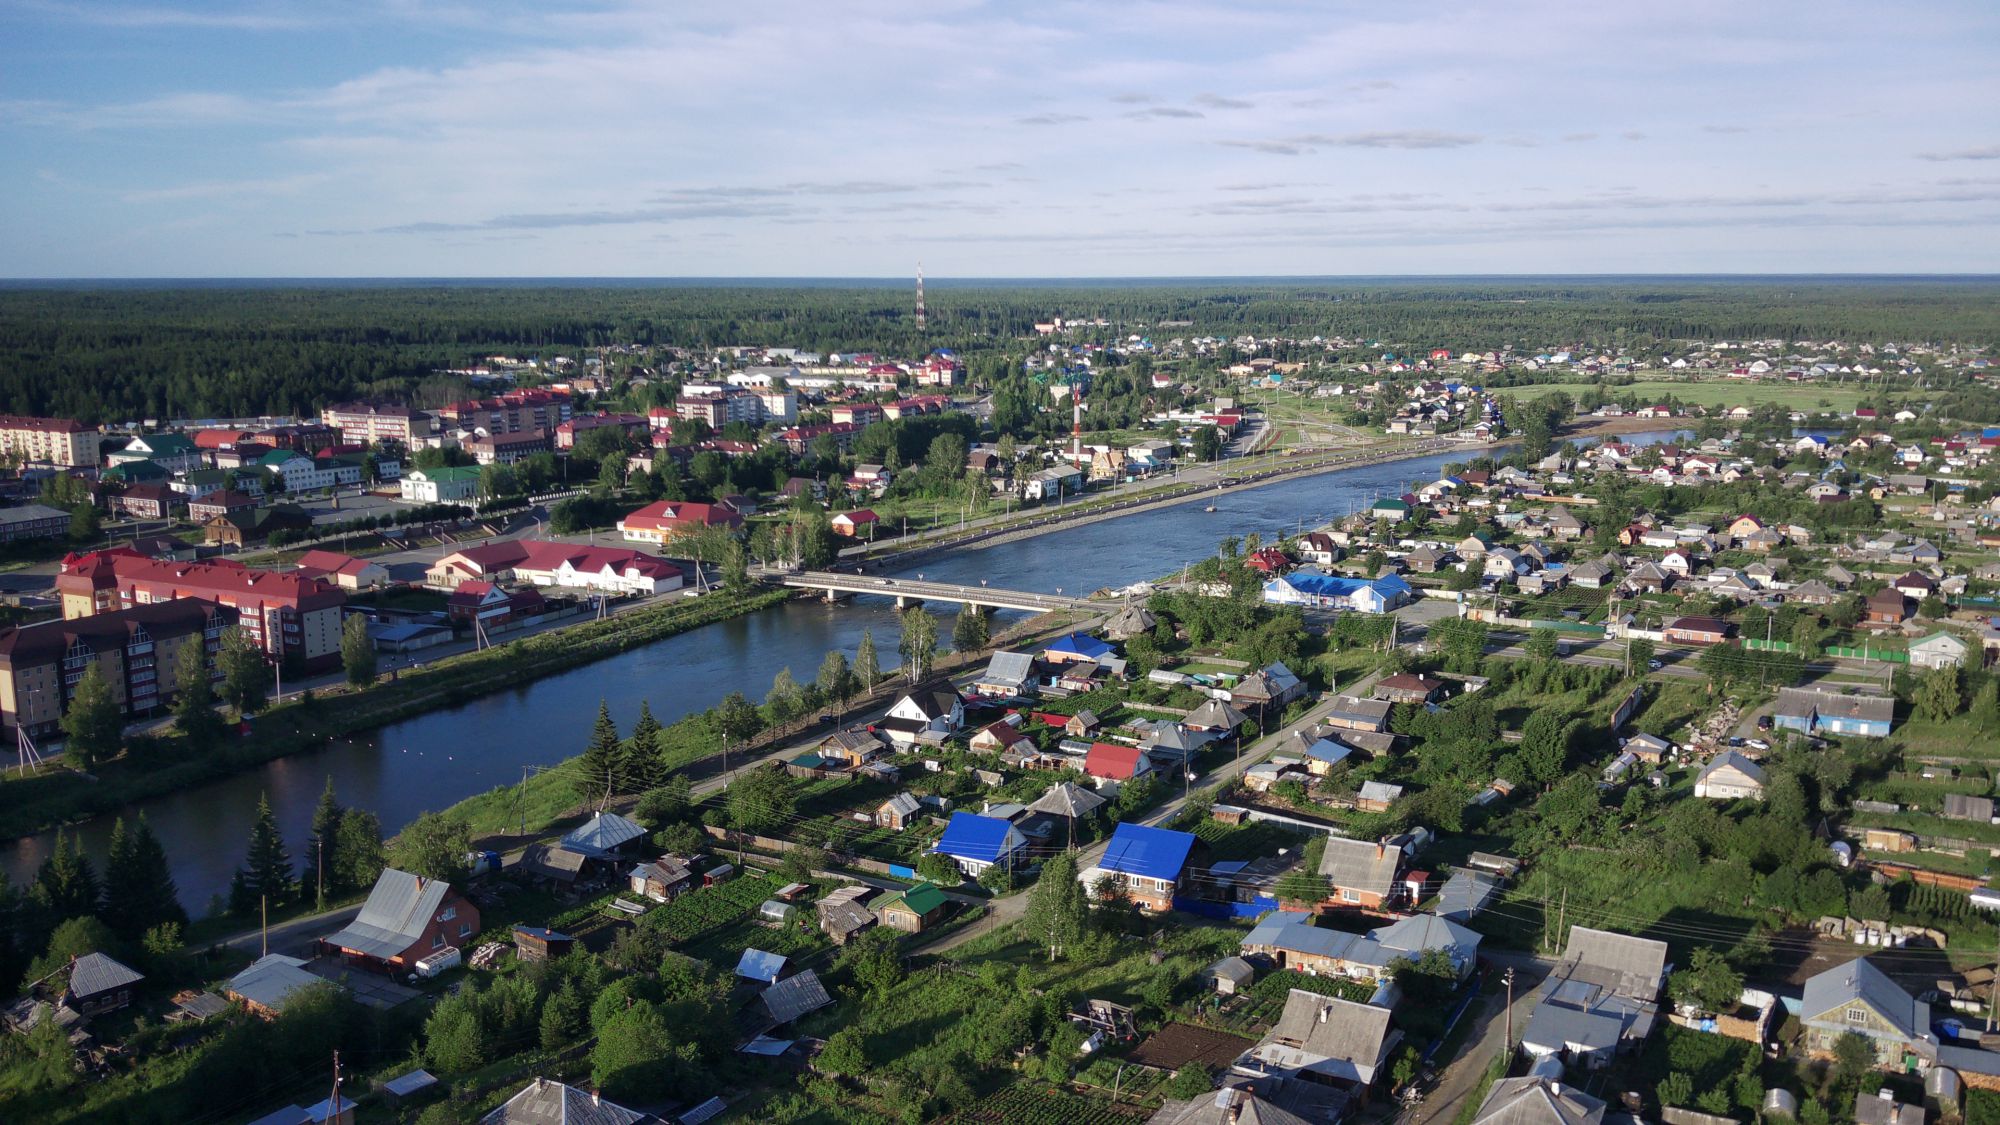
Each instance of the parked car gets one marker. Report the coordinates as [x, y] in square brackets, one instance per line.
[1654, 666]
[1764, 722]
[1759, 744]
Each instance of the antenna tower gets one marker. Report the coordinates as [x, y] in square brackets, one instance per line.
[920, 296]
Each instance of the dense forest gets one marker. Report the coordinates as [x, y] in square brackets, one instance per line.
[122, 353]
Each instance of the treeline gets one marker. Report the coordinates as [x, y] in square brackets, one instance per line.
[124, 354]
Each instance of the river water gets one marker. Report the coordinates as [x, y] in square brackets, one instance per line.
[435, 760]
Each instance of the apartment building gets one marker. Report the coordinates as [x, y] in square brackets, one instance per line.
[289, 616]
[506, 448]
[137, 649]
[371, 423]
[510, 413]
[62, 442]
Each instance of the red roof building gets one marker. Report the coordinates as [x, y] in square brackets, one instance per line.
[662, 520]
[291, 616]
[1114, 762]
[851, 524]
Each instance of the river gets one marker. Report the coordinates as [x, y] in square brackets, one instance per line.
[435, 760]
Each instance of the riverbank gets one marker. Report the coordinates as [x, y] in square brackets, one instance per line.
[1246, 475]
[163, 765]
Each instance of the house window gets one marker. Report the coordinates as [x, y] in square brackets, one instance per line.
[1350, 895]
[437, 941]
[1857, 1015]
[450, 912]
[465, 929]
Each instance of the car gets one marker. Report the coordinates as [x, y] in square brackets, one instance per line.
[1765, 722]
[1654, 666]
[1736, 742]
[1758, 744]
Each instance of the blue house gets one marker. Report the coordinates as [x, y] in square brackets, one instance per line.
[1813, 712]
[977, 842]
[1076, 648]
[1146, 864]
[1326, 591]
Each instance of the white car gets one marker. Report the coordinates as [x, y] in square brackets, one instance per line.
[1654, 665]
[1758, 744]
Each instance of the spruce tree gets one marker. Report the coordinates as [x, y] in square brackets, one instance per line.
[322, 857]
[139, 891]
[66, 885]
[641, 768]
[266, 874]
[602, 758]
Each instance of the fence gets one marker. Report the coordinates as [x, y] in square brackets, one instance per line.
[1866, 652]
[1755, 645]
[1262, 904]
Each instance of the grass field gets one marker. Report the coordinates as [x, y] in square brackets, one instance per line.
[1840, 399]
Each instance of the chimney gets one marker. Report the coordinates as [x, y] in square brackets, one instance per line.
[539, 1081]
[593, 1099]
[1378, 849]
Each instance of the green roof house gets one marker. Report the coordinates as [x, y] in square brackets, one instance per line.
[910, 910]
[141, 471]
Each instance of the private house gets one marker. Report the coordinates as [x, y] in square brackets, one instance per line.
[1730, 776]
[856, 524]
[1273, 685]
[267, 985]
[1350, 713]
[1858, 997]
[1325, 591]
[1812, 592]
[1067, 801]
[221, 505]
[1215, 717]
[850, 748]
[1465, 894]
[910, 910]
[490, 605]
[1289, 939]
[897, 813]
[1650, 749]
[1538, 1099]
[1888, 606]
[1000, 737]
[1145, 863]
[976, 843]
[1939, 650]
[1699, 630]
[1811, 711]
[926, 714]
[1600, 1000]
[1326, 1041]
[1915, 585]
[99, 984]
[405, 919]
[1404, 687]
[539, 943]
[662, 880]
[1362, 873]
[1377, 796]
[1008, 675]
[344, 571]
[844, 913]
[795, 996]
[1112, 761]
[1130, 622]
[1076, 648]
[1083, 724]
[548, 1102]
[603, 836]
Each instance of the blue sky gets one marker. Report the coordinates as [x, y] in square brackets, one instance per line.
[412, 138]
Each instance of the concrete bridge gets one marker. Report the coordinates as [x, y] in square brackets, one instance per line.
[908, 591]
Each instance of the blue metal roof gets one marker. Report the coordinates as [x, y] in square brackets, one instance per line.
[1150, 853]
[759, 965]
[1080, 644]
[971, 836]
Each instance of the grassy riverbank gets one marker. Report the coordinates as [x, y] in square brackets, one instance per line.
[156, 766]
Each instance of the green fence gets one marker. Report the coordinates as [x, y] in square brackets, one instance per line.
[1887, 655]
[1576, 627]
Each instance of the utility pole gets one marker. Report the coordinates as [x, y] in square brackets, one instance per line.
[333, 1104]
[264, 922]
[1508, 1043]
[1562, 922]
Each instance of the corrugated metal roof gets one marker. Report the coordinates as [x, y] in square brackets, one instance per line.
[793, 997]
[271, 981]
[548, 1102]
[1147, 852]
[394, 916]
[94, 974]
[601, 834]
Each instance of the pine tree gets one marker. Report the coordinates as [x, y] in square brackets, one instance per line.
[867, 666]
[194, 696]
[139, 891]
[641, 767]
[66, 885]
[323, 846]
[602, 758]
[94, 724]
[266, 874]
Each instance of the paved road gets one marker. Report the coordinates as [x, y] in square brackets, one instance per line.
[296, 936]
